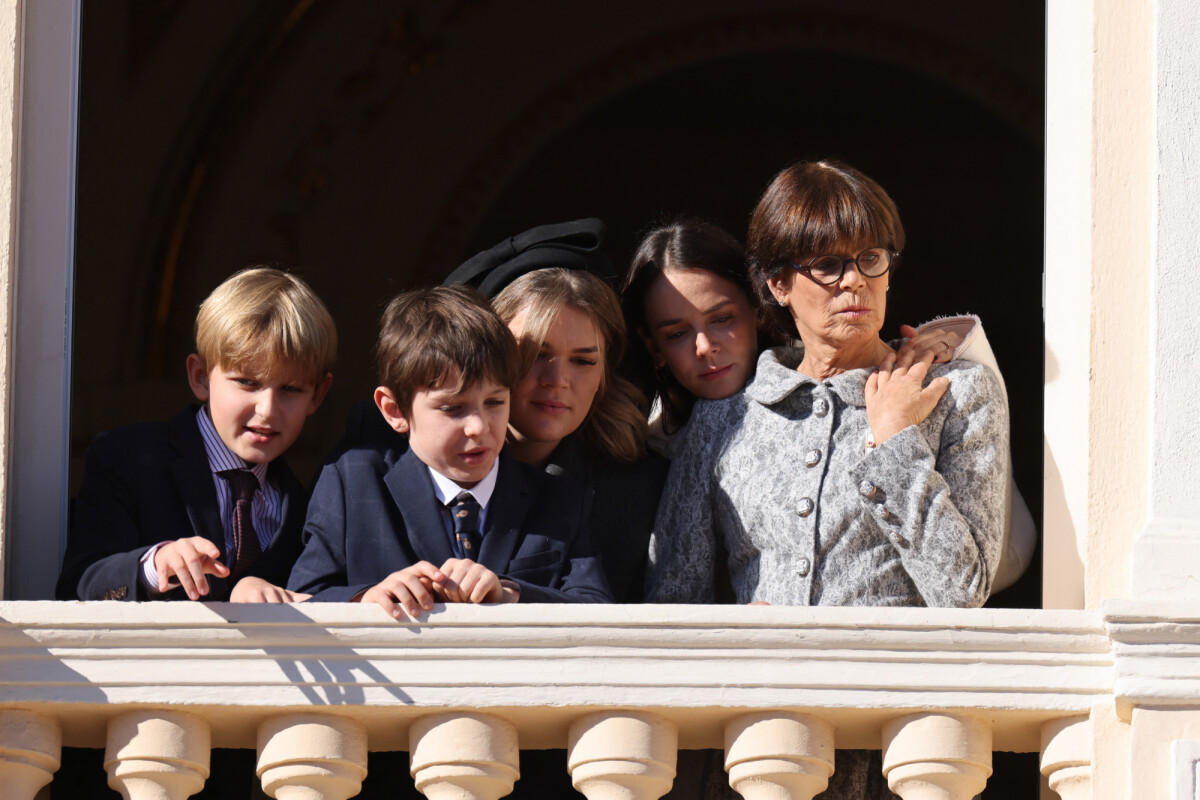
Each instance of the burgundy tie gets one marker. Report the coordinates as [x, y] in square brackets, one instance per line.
[246, 549]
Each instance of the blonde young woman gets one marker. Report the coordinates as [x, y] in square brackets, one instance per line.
[573, 414]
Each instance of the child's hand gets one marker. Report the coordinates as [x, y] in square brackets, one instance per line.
[188, 560]
[942, 343]
[470, 582]
[410, 588]
[255, 590]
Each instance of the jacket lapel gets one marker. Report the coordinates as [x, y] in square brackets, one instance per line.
[284, 546]
[412, 491]
[506, 512]
[193, 479]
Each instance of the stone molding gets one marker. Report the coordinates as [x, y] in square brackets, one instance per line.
[1156, 654]
[543, 667]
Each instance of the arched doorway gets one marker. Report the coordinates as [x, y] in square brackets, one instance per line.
[372, 146]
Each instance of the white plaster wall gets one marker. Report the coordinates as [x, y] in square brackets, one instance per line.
[1167, 558]
[41, 298]
[1176, 360]
[1120, 337]
[1099, 139]
[10, 121]
[1069, 253]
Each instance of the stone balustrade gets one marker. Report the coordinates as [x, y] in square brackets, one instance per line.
[621, 688]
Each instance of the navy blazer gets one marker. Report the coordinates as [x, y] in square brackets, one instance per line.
[624, 496]
[374, 511]
[150, 483]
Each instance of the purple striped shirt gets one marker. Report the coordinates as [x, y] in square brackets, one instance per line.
[267, 506]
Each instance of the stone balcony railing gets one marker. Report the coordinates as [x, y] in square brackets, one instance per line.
[314, 687]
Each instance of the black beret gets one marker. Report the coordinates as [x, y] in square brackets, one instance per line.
[570, 245]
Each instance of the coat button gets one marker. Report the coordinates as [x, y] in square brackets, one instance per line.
[805, 507]
[820, 406]
[899, 540]
[812, 458]
[867, 489]
[802, 567]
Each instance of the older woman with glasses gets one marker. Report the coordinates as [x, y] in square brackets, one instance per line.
[829, 481]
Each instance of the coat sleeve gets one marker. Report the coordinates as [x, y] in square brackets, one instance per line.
[582, 579]
[939, 495]
[683, 544]
[105, 544]
[321, 568]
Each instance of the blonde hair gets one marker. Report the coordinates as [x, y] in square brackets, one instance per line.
[616, 424]
[267, 319]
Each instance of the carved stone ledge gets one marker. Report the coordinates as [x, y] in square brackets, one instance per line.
[461, 756]
[157, 755]
[312, 757]
[622, 755]
[30, 752]
[776, 755]
[937, 756]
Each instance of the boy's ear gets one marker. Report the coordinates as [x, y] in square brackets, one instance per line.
[197, 374]
[385, 401]
[659, 359]
[319, 393]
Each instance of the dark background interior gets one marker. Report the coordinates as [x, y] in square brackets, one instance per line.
[371, 146]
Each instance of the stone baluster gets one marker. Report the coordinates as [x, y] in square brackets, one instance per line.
[157, 755]
[30, 752]
[1067, 757]
[463, 756]
[937, 756]
[778, 756]
[622, 755]
[312, 757]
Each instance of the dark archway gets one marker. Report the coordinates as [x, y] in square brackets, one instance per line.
[373, 145]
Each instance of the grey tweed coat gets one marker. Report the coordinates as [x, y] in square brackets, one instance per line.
[780, 477]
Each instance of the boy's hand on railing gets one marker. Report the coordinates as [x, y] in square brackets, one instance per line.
[188, 561]
[471, 582]
[410, 589]
[256, 590]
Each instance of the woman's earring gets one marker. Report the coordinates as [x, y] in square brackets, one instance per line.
[783, 303]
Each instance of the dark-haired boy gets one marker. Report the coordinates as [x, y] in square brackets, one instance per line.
[450, 517]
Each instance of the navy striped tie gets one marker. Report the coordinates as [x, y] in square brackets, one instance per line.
[465, 512]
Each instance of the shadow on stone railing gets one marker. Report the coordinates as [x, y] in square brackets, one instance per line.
[314, 687]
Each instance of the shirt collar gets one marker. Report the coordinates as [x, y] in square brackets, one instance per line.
[446, 489]
[776, 378]
[220, 457]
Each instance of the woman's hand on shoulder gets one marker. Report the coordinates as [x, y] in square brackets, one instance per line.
[895, 395]
[941, 343]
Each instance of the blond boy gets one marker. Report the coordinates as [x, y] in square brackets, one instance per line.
[203, 507]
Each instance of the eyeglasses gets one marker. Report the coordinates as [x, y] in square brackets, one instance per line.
[828, 269]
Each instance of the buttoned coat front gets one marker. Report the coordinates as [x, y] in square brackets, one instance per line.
[779, 475]
[373, 511]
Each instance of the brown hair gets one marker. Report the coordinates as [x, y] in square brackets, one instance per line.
[811, 208]
[427, 334]
[268, 319]
[679, 245]
[616, 424]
